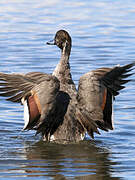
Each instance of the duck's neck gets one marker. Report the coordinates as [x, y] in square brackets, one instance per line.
[62, 70]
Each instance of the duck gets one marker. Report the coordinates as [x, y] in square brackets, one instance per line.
[55, 108]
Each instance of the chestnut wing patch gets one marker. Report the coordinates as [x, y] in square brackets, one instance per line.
[104, 99]
[33, 112]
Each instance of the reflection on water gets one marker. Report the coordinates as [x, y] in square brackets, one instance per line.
[103, 34]
[86, 159]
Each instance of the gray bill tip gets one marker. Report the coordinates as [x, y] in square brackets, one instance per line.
[52, 42]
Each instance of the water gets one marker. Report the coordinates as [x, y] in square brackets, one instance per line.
[103, 34]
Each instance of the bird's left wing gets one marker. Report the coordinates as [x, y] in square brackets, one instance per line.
[40, 95]
[15, 86]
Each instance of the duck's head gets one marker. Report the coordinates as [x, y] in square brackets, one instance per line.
[62, 39]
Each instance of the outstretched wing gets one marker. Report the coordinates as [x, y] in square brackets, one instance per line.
[40, 96]
[96, 92]
[15, 86]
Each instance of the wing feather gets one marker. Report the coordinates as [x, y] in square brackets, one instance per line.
[39, 92]
[96, 91]
[15, 86]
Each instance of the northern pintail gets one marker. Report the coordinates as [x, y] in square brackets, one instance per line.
[52, 104]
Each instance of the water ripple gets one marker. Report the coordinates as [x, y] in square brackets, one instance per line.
[103, 35]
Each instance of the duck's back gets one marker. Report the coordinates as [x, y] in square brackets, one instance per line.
[70, 128]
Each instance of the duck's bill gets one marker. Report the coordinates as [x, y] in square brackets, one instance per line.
[52, 42]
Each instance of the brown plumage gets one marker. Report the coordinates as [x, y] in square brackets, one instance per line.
[53, 106]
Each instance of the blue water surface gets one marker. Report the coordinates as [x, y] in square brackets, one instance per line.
[103, 34]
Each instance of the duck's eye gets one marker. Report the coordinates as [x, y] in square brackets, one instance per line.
[56, 41]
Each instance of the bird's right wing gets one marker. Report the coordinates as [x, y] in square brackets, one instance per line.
[96, 92]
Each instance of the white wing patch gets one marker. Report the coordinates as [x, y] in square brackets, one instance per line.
[112, 113]
[26, 114]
